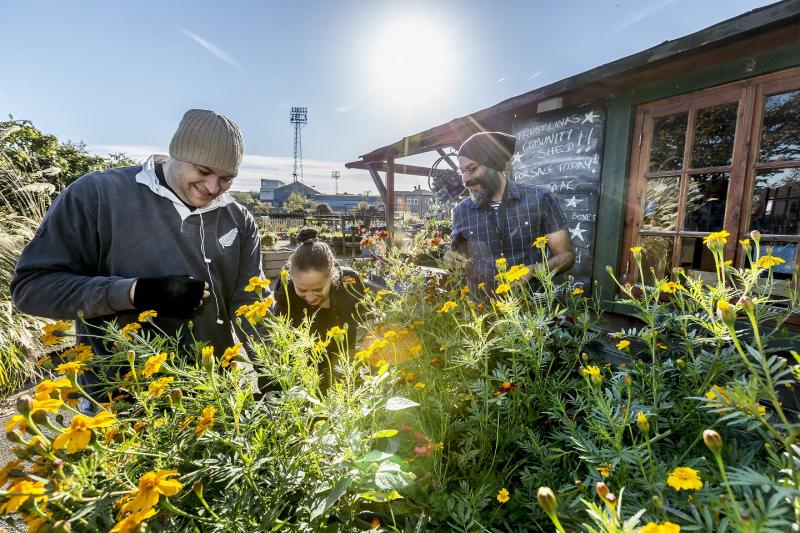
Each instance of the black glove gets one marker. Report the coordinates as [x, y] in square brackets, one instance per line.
[172, 296]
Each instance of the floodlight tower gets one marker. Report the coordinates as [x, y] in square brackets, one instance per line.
[298, 117]
[335, 175]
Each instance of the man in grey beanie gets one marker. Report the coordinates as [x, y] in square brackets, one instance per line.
[161, 237]
[501, 219]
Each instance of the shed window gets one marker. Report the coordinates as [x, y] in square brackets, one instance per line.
[722, 158]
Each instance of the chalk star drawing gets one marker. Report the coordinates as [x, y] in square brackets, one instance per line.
[573, 202]
[516, 159]
[577, 232]
[589, 117]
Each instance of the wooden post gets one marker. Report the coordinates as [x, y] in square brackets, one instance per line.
[390, 195]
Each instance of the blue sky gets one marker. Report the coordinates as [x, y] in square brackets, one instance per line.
[118, 76]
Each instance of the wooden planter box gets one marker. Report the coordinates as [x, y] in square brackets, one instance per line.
[273, 261]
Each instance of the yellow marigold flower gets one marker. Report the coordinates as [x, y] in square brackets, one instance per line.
[47, 387]
[594, 374]
[336, 331]
[666, 527]
[670, 287]
[420, 385]
[503, 496]
[502, 288]
[745, 244]
[47, 405]
[685, 478]
[145, 315]
[517, 272]
[605, 469]
[206, 420]
[126, 331]
[481, 286]
[80, 352]
[718, 238]
[768, 261]
[321, 345]
[16, 422]
[416, 324]
[256, 283]
[153, 364]
[157, 387]
[719, 395]
[577, 291]
[500, 262]
[230, 353]
[446, 307]
[242, 309]
[416, 350]
[79, 433]
[726, 312]
[72, 367]
[131, 523]
[19, 493]
[727, 263]
[661, 346]
[284, 276]
[54, 333]
[152, 486]
[624, 344]
[540, 242]
[15, 464]
[636, 249]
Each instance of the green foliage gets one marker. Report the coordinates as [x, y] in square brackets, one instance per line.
[298, 203]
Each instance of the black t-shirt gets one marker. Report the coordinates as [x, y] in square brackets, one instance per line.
[346, 293]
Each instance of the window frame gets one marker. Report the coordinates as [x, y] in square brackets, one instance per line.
[750, 95]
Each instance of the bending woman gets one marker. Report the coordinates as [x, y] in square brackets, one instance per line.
[320, 288]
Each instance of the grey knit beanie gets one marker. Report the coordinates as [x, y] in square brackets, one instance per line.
[209, 139]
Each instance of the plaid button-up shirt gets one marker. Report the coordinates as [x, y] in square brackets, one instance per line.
[485, 235]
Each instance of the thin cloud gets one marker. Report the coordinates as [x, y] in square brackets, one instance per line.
[214, 49]
[645, 12]
[535, 74]
[500, 80]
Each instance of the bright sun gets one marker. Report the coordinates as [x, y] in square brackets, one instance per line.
[409, 61]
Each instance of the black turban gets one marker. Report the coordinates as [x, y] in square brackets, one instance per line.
[490, 148]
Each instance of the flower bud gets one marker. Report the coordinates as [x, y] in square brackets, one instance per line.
[547, 500]
[756, 236]
[746, 303]
[130, 355]
[579, 485]
[602, 489]
[656, 501]
[14, 436]
[680, 363]
[197, 488]
[726, 312]
[642, 422]
[24, 405]
[584, 357]
[713, 440]
[628, 379]
[609, 269]
[176, 396]
[581, 371]
[611, 499]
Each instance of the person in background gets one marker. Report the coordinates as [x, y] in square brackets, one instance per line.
[319, 288]
[162, 237]
[501, 218]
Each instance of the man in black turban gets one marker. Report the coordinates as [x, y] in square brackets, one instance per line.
[501, 220]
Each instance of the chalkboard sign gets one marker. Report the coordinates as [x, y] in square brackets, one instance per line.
[562, 150]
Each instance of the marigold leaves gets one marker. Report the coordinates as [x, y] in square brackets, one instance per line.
[384, 434]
